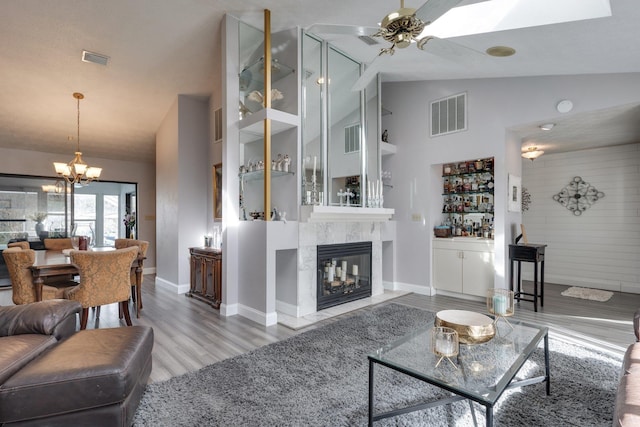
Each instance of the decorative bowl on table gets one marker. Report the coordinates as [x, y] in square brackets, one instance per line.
[472, 327]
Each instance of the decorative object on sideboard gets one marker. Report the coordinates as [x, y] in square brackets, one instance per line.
[77, 171]
[578, 196]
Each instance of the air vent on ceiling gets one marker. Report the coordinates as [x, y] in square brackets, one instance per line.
[368, 40]
[96, 58]
[449, 115]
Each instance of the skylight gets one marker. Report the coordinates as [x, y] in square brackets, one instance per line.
[500, 15]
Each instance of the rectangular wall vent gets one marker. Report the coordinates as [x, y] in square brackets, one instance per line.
[449, 115]
[368, 40]
[352, 139]
[96, 58]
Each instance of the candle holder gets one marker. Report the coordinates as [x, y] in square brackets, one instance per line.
[445, 343]
[500, 304]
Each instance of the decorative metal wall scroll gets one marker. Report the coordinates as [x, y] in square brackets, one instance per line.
[578, 196]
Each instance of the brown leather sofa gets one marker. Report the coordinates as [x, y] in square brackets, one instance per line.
[52, 375]
[627, 409]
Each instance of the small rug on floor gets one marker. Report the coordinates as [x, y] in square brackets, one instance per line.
[320, 378]
[587, 293]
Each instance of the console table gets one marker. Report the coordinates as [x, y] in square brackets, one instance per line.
[206, 275]
[529, 252]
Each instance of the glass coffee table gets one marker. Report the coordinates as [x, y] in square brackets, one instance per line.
[482, 372]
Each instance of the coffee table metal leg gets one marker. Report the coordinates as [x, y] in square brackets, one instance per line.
[370, 393]
[489, 416]
[546, 364]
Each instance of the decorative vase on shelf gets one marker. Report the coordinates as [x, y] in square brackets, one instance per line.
[132, 233]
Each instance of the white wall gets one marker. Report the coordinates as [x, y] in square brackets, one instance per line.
[182, 158]
[495, 105]
[601, 247]
[24, 162]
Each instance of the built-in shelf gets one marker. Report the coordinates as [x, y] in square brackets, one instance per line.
[252, 126]
[252, 77]
[315, 213]
[256, 175]
[387, 149]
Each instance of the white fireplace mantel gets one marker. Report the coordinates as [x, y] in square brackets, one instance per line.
[313, 213]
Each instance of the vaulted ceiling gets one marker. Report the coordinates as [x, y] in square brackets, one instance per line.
[161, 48]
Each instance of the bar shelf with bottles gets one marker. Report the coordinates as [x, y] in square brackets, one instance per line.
[468, 190]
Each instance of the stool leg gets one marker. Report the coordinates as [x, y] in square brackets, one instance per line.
[542, 283]
[535, 287]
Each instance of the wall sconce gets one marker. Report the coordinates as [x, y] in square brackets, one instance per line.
[532, 153]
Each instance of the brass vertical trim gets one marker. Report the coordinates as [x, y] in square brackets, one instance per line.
[267, 121]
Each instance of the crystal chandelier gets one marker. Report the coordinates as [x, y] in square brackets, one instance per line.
[77, 171]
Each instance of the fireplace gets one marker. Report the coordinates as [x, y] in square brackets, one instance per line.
[344, 273]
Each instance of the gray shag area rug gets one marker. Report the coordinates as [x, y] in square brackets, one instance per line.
[320, 378]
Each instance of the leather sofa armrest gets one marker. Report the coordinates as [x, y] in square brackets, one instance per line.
[636, 324]
[50, 317]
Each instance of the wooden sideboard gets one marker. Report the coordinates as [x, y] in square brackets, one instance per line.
[206, 275]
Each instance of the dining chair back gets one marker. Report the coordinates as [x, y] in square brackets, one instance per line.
[58, 244]
[19, 262]
[142, 246]
[23, 244]
[104, 279]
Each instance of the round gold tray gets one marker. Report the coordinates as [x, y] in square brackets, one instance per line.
[472, 328]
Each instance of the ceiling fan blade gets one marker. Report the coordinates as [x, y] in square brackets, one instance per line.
[370, 72]
[434, 9]
[349, 30]
[450, 50]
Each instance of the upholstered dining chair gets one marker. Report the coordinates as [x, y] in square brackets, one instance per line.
[142, 245]
[21, 244]
[18, 262]
[104, 279]
[58, 244]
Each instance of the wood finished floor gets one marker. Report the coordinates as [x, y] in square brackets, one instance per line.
[190, 334]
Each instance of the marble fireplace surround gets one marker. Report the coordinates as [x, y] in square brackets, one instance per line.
[319, 232]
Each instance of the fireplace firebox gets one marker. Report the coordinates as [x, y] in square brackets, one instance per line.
[344, 273]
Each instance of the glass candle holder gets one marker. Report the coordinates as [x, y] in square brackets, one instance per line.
[445, 343]
[500, 303]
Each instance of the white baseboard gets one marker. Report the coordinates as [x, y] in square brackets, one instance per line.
[149, 270]
[170, 286]
[228, 309]
[585, 282]
[418, 289]
[265, 319]
[288, 309]
[458, 295]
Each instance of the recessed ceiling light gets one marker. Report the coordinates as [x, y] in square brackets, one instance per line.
[501, 51]
[547, 126]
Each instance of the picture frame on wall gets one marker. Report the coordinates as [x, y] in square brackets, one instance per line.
[514, 196]
[217, 191]
[217, 126]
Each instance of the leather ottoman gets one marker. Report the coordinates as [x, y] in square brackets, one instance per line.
[95, 377]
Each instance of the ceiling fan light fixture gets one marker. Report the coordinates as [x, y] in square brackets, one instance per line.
[501, 51]
[532, 153]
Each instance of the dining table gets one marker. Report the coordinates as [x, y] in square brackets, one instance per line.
[49, 263]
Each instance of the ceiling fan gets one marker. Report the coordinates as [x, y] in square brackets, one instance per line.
[401, 28]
